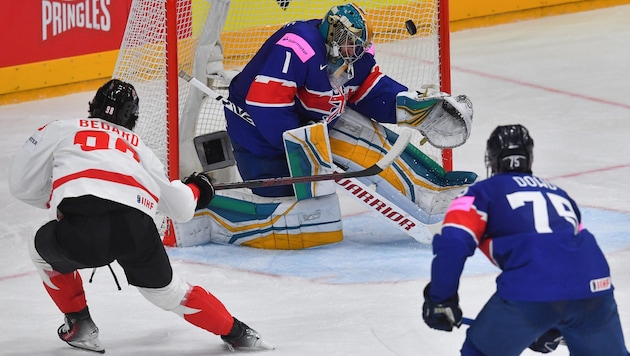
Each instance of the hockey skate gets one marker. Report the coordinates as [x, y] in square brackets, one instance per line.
[243, 337]
[80, 331]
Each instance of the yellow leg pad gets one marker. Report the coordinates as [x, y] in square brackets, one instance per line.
[241, 218]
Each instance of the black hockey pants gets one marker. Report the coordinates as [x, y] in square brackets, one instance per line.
[94, 232]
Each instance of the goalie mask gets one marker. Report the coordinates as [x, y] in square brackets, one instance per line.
[347, 35]
[117, 102]
[510, 149]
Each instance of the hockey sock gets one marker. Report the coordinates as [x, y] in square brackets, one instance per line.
[66, 290]
[207, 312]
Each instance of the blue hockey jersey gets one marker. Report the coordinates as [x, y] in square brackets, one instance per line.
[286, 85]
[531, 230]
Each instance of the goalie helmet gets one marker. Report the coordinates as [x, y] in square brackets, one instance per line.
[346, 32]
[510, 149]
[117, 102]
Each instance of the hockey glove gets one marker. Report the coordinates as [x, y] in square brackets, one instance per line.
[547, 342]
[206, 190]
[445, 121]
[441, 316]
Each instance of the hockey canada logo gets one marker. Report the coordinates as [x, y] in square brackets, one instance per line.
[63, 15]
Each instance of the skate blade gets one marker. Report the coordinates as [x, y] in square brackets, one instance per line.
[260, 345]
[266, 346]
[93, 345]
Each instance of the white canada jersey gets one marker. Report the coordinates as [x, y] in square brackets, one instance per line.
[72, 158]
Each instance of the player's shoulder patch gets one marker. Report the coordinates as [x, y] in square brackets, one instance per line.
[32, 141]
[299, 45]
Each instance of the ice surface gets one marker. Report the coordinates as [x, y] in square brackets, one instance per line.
[564, 78]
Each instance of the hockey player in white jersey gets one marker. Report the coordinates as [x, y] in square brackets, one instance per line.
[102, 187]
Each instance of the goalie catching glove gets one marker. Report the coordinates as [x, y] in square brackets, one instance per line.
[445, 121]
[204, 186]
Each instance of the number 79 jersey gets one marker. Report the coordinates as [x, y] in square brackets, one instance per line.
[72, 158]
[531, 230]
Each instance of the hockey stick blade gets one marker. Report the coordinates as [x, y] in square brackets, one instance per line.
[398, 147]
[216, 96]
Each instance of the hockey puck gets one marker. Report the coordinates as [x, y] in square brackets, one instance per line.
[411, 27]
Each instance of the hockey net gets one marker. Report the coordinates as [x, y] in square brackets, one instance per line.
[213, 39]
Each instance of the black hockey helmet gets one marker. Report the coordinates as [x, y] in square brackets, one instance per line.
[117, 102]
[510, 149]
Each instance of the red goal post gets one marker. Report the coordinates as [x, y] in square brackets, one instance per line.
[213, 39]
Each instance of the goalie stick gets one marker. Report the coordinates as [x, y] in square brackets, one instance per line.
[216, 96]
[398, 147]
[388, 211]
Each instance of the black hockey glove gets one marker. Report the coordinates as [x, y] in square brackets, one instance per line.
[441, 316]
[206, 190]
[547, 342]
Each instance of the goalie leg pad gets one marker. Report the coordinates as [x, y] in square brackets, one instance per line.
[355, 138]
[414, 176]
[308, 153]
[242, 218]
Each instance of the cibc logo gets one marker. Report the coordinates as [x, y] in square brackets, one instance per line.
[63, 15]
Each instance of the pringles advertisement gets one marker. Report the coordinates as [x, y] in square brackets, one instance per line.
[52, 42]
[39, 30]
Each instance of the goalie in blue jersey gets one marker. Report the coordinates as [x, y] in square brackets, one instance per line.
[555, 280]
[312, 71]
[316, 99]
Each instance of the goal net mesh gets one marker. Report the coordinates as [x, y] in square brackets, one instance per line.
[213, 39]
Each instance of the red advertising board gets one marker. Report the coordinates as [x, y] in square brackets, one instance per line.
[40, 30]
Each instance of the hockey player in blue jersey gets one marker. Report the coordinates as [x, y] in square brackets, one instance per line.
[311, 71]
[554, 281]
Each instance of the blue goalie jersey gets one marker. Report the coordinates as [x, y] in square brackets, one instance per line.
[531, 230]
[289, 83]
